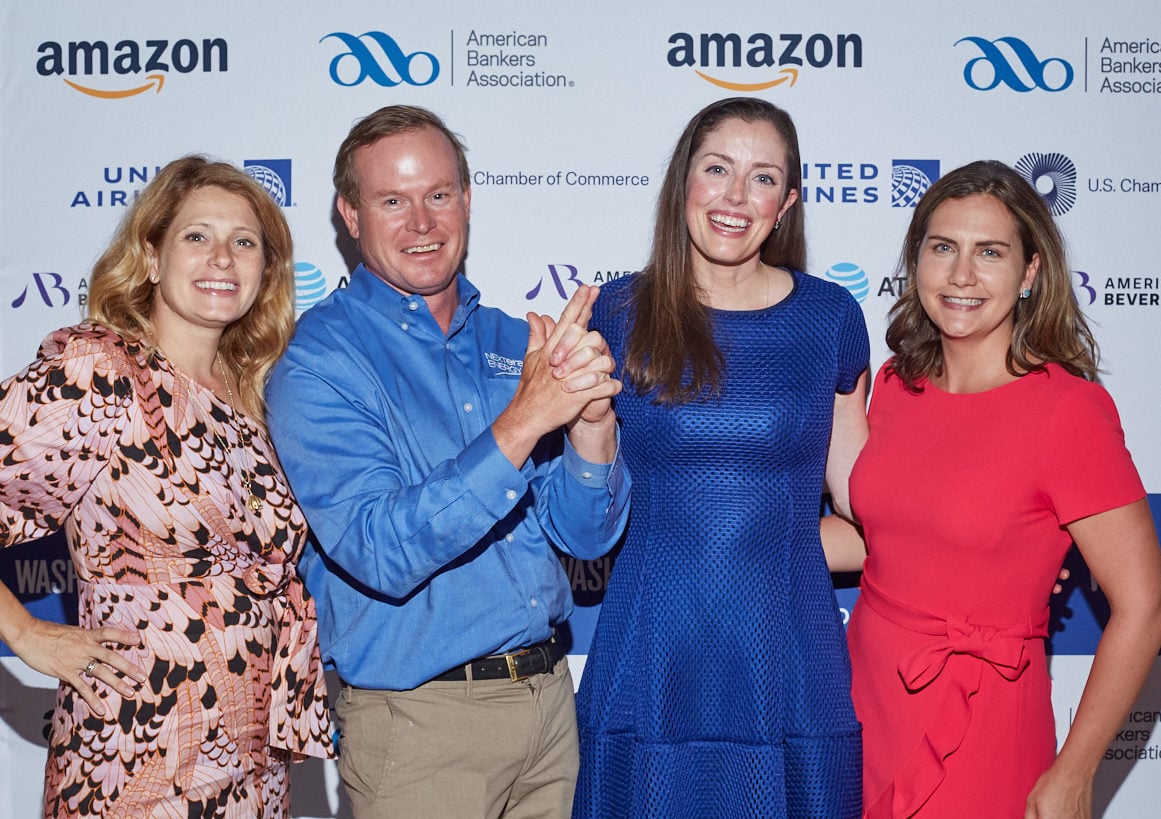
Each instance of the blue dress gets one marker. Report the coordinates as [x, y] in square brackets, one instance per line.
[718, 681]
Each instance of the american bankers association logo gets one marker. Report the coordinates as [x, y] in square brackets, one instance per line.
[1011, 62]
[377, 57]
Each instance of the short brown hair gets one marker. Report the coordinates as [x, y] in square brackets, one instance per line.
[388, 121]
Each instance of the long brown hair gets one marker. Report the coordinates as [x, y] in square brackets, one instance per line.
[672, 332]
[121, 295]
[1047, 326]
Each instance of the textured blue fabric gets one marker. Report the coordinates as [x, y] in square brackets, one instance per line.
[718, 682]
[431, 549]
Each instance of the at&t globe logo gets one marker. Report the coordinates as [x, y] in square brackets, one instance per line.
[309, 286]
[852, 277]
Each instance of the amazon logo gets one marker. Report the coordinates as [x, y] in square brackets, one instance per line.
[731, 62]
[127, 68]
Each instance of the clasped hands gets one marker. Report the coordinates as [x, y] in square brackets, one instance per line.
[566, 382]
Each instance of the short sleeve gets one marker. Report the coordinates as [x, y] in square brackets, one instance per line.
[854, 346]
[1087, 468]
[59, 422]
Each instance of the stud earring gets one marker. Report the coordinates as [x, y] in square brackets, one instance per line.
[778, 224]
[1026, 292]
[154, 278]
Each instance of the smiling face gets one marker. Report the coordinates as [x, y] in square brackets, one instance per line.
[411, 220]
[971, 270]
[735, 193]
[208, 267]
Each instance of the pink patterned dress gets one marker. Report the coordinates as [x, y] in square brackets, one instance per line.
[126, 455]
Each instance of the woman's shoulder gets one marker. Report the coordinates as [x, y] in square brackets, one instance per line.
[94, 346]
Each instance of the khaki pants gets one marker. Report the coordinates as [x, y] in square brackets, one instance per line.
[460, 750]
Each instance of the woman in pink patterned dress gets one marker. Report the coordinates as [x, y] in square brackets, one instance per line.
[193, 678]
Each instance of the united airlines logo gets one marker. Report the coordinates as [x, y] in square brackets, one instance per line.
[713, 56]
[852, 277]
[273, 175]
[504, 365]
[1010, 61]
[910, 179]
[128, 68]
[1054, 178]
[377, 57]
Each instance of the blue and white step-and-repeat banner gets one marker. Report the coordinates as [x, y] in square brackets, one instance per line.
[570, 112]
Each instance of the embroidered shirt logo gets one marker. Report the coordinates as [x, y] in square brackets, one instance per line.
[503, 365]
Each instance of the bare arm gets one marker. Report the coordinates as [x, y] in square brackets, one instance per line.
[847, 437]
[65, 652]
[842, 542]
[1121, 549]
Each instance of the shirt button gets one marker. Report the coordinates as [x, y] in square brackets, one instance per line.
[511, 538]
[586, 475]
[403, 326]
[467, 406]
[510, 494]
[413, 306]
[534, 603]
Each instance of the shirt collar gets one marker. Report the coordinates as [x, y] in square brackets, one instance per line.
[404, 308]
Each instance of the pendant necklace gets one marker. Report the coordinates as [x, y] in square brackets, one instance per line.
[253, 502]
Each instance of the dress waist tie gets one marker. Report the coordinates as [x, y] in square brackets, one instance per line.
[1001, 646]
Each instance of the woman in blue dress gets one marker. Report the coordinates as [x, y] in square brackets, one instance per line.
[718, 682]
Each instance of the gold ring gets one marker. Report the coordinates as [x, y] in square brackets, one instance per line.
[88, 672]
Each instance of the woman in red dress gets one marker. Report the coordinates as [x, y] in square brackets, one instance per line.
[991, 449]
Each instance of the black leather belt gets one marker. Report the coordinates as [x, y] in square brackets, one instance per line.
[516, 665]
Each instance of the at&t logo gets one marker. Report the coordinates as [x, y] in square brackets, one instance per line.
[377, 57]
[852, 277]
[998, 65]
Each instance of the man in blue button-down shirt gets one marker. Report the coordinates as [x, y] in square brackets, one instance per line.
[440, 450]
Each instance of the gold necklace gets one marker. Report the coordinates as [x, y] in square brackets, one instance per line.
[253, 502]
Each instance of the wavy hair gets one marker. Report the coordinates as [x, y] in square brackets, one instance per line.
[388, 121]
[121, 296]
[672, 333]
[1047, 327]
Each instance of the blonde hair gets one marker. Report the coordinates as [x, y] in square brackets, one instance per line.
[121, 295]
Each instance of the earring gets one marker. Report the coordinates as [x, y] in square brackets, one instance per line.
[154, 278]
[1026, 292]
[778, 224]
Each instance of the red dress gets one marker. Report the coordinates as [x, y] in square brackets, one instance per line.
[963, 499]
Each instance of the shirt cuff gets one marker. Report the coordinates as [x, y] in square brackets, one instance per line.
[586, 473]
[490, 476]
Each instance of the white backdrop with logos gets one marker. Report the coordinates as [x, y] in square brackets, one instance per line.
[569, 113]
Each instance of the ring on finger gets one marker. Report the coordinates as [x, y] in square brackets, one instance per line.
[88, 672]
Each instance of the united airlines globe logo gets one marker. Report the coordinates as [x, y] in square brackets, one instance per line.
[273, 175]
[1054, 178]
[852, 277]
[309, 286]
[910, 179]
